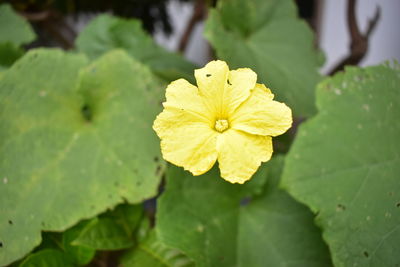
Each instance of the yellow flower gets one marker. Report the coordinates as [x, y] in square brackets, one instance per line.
[228, 117]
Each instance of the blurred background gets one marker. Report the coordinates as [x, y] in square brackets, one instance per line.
[328, 18]
[363, 32]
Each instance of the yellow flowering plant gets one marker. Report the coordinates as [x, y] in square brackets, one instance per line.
[228, 117]
[80, 166]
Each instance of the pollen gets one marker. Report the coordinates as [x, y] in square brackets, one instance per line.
[221, 125]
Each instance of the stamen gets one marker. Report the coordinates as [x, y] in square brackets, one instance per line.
[221, 125]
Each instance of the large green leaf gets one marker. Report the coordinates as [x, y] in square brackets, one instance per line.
[153, 253]
[106, 32]
[345, 165]
[267, 36]
[72, 142]
[13, 28]
[218, 224]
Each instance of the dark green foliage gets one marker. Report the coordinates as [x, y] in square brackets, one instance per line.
[220, 224]
[14, 32]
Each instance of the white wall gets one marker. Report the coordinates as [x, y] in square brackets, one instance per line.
[384, 42]
[197, 48]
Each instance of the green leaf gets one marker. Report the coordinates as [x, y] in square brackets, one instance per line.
[267, 36]
[47, 258]
[152, 252]
[345, 165]
[14, 32]
[79, 254]
[51, 240]
[111, 231]
[128, 216]
[104, 234]
[218, 224]
[9, 53]
[106, 32]
[73, 142]
[13, 28]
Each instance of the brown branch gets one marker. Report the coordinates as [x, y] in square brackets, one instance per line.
[372, 22]
[36, 16]
[359, 41]
[199, 12]
[53, 29]
[54, 24]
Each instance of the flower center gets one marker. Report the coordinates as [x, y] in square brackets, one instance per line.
[221, 125]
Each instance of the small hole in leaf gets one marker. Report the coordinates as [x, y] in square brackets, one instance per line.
[245, 201]
[366, 254]
[328, 87]
[1, 244]
[398, 204]
[208, 75]
[87, 112]
[10, 222]
[158, 170]
[340, 207]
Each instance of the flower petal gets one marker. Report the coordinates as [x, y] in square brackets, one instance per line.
[182, 95]
[186, 141]
[224, 90]
[260, 115]
[240, 154]
[240, 83]
[211, 81]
